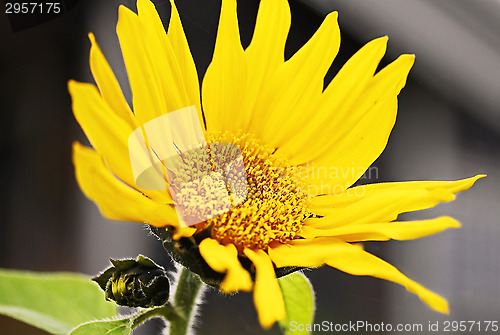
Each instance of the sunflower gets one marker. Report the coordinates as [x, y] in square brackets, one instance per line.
[303, 147]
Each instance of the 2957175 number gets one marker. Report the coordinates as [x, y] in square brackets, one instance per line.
[32, 7]
[469, 326]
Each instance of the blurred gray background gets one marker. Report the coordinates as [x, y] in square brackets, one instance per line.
[448, 127]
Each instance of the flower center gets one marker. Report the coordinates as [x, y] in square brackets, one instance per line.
[266, 201]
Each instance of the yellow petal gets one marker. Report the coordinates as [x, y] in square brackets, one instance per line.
[225, 80]
[350, 259]
[177, 38]
[267, 295]
[404, 230]
[170, 58]
[224, 259]
[337, 100]
[148, 97]
[108, 86]
[116, 200]
[156, 80]
[381, 207]
[356, 141]
[183, 232]
[293, 92]
[108, 133]
[454, 186]
[269, 37]
[376, 193]
[362, 146]
[386, 84]
[264, 55]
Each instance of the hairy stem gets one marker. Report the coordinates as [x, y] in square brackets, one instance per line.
[188, 288]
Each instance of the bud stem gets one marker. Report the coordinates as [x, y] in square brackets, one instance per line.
[166, 311]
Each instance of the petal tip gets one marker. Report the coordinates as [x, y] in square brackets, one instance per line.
[334, 15]
[74, 86]
[71, 85]
[469, 182]
[76, 145]
[443, 307]
[143, 6]
[450, 222]
[409, 57]
[124, 12]
[379, 43]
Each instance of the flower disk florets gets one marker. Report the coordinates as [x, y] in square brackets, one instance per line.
[271, 203]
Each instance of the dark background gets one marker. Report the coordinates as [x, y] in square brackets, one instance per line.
[48, 225]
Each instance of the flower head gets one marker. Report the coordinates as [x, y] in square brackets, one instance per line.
[281, 152]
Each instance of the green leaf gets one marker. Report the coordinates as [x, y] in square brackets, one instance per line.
[54, 302]
[102, 327]
[299, 303]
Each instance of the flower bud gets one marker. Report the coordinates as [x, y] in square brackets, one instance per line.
[135, 283]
